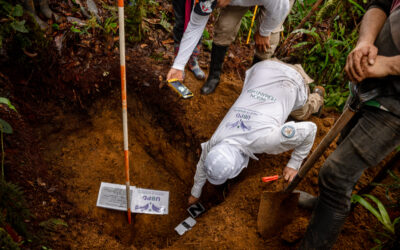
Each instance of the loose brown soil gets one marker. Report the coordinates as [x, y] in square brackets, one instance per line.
[78, 147]
[165, 132]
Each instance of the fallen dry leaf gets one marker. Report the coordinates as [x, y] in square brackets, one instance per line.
[40, 182]
[168, 41]
[152, 20]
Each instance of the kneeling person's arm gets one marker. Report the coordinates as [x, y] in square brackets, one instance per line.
[289, 173]
[200, 179]
[301, 140]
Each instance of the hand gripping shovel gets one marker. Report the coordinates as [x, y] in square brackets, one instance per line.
[276, 208]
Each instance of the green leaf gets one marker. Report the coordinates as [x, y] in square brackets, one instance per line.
[51, 224]
[382, 210]
[357, 6]
[19, 26]
[309, 32]
[378, 247]
[7, 102]
[18, 11]
[367, 205]
[208, 44]
[166, 25]
[397, 220]
[394, 176]
[5, 127]
[6, 6]
[206, 35]
[75, 30]
[300, 44]
[384, 235]
[377, 241]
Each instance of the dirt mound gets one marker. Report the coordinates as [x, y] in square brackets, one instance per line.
[165, 133]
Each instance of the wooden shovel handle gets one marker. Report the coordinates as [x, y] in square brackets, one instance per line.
[339, 125]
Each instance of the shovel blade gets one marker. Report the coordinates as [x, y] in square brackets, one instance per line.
[276, 211]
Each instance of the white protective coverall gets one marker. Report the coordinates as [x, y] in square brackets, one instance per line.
[256, 121]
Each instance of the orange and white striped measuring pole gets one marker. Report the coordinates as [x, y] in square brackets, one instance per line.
[124, 102]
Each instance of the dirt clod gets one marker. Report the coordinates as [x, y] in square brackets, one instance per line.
[295, 230]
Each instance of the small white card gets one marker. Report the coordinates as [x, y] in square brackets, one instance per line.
[185, 225]
[148, 201]
[113, 196]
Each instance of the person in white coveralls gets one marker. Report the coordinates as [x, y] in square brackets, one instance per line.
[256, 123]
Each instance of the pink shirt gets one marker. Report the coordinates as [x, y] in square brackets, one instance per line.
[395, 4]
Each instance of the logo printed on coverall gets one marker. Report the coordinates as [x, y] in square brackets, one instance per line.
[241, 115]
[288, 131]
[238, 124]
[261, 96]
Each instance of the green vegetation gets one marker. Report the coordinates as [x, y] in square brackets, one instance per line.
[110, 25]
[19, 33]
[52, 224]
[391, 189]
[13, 207]
[390, 235]
[13, 23]
[383, 239]
[245, 26]
[164, 22]
[381, 214]
[5, 240]
[324, 43]
[6, 128]
[207, 41]
[136, 12]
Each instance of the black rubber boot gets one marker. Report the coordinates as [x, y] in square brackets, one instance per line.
[255, 60]
[217, 58]
[324, 228]
[306, 200]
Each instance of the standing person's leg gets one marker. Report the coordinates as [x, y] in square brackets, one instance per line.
[177, 32]
[194, 63]
[228, 24]
[225, 31]
[273, 40]
[375, 135]
[179, 13]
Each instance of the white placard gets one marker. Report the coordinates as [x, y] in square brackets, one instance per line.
[113, 196]
[148, 201]
[185, 225]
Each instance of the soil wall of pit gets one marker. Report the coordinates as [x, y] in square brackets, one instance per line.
[165, 133]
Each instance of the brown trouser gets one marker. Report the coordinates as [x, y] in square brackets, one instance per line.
[314, 102]
[228, 25]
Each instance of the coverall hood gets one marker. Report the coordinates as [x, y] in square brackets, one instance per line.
[223, 162]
